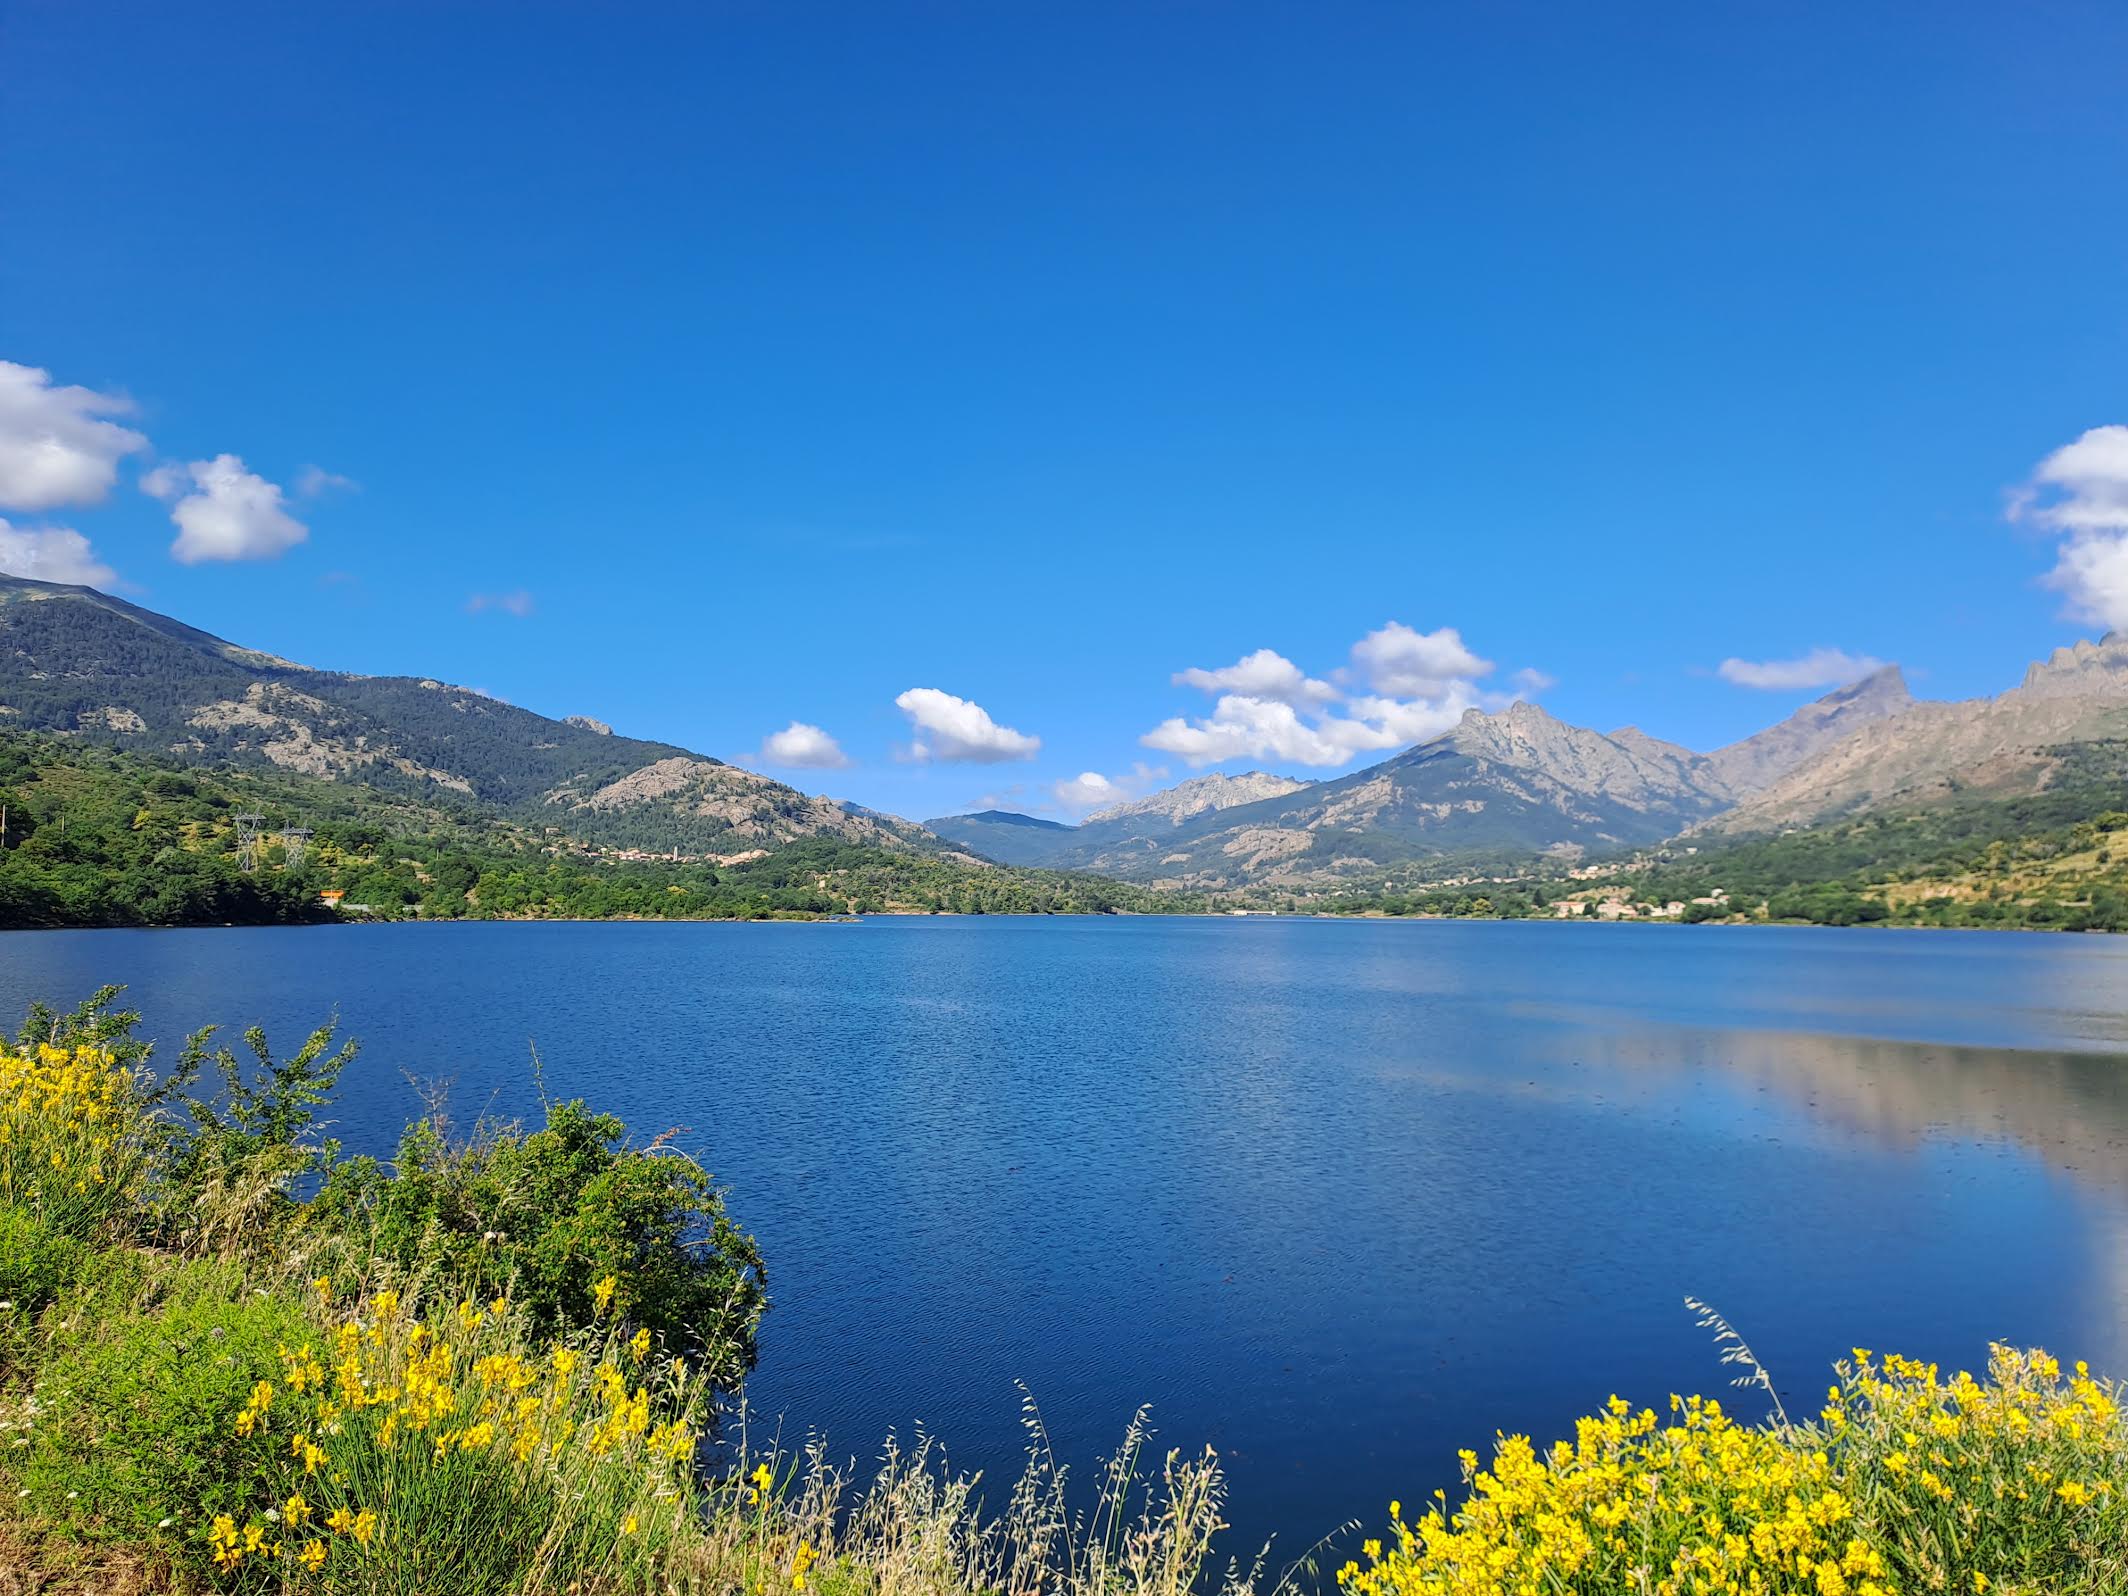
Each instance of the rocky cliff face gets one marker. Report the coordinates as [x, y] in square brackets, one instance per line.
[1929, 750]
[1758, 761]
[1626, 767]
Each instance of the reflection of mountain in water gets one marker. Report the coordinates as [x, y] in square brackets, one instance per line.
[2068, 1109]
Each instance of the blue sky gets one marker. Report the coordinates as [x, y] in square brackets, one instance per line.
[710, 368]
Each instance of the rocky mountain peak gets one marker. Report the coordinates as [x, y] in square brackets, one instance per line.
[1882, 689]
[1201, 795]
[2085, 670]
[1762, 759]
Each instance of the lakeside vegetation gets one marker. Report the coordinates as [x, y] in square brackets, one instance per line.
[512, 1361]
[100, 837]
[96, 837]
[2052, 860]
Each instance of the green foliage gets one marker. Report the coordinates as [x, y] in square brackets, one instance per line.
[37, 1262]
[231, 1163]
[134, 1409]
[543, 1217]
[2041, 861]
[97, 837]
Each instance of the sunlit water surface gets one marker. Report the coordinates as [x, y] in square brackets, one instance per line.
[1334, 1197]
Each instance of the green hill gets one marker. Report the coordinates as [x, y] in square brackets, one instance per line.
[99, 837]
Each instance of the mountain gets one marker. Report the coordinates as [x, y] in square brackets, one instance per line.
[101, 837]
[1929, 751]
[1757, 762]
[1006, 836]
[1195, 796]
[85, 665]
[1517, 782]
[1121, 829]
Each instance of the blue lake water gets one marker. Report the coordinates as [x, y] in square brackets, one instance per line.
[1334, 1197]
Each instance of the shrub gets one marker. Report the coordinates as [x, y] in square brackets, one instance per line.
[74, 1139]
[2016, 1486]
[544, 1217]
[37, 1262]
[2015, 1483]
[440, 1451]
[232, 1161]
[131, 1423]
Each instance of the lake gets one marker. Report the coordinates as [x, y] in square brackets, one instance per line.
[1336, 1197]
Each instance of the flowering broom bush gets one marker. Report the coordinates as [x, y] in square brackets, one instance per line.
[404, 1450]
[73, 1139]
[1909, 1484]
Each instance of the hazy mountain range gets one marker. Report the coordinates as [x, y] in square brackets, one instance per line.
[1518, 783]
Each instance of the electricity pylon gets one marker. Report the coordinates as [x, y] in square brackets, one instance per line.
[247, 841]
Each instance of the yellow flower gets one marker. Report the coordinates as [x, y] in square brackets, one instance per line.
[640, 1343]
[629, 1525]
[365, 1527]
[322, 1285]
[603, 1292]
[312, 1556]
[295, 1509]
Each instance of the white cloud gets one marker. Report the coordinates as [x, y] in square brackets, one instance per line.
[1821, 667]
[805, 746]
[54, 447]
[1241, 727]
[314, 481]
[51, 554]
[2082, 489]
[1414, 686]
[1087, 790]
[227, 513]
[515, 602]
[1263, 674]
[1401, 663]
[1092, 790]
[954, 729]
[1401, 722]
[1530, 681]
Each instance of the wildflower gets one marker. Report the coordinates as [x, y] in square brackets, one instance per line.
[603, 1292]
[340, 1521]
[312, 1556]
[639, 1344]
[365, 1527]
[801, 1560]
[629, 1525]
[322, 1285]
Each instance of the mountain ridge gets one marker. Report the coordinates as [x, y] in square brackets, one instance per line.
[79, 663]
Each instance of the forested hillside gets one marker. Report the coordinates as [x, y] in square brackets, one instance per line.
[101, 837]
[81, 664]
